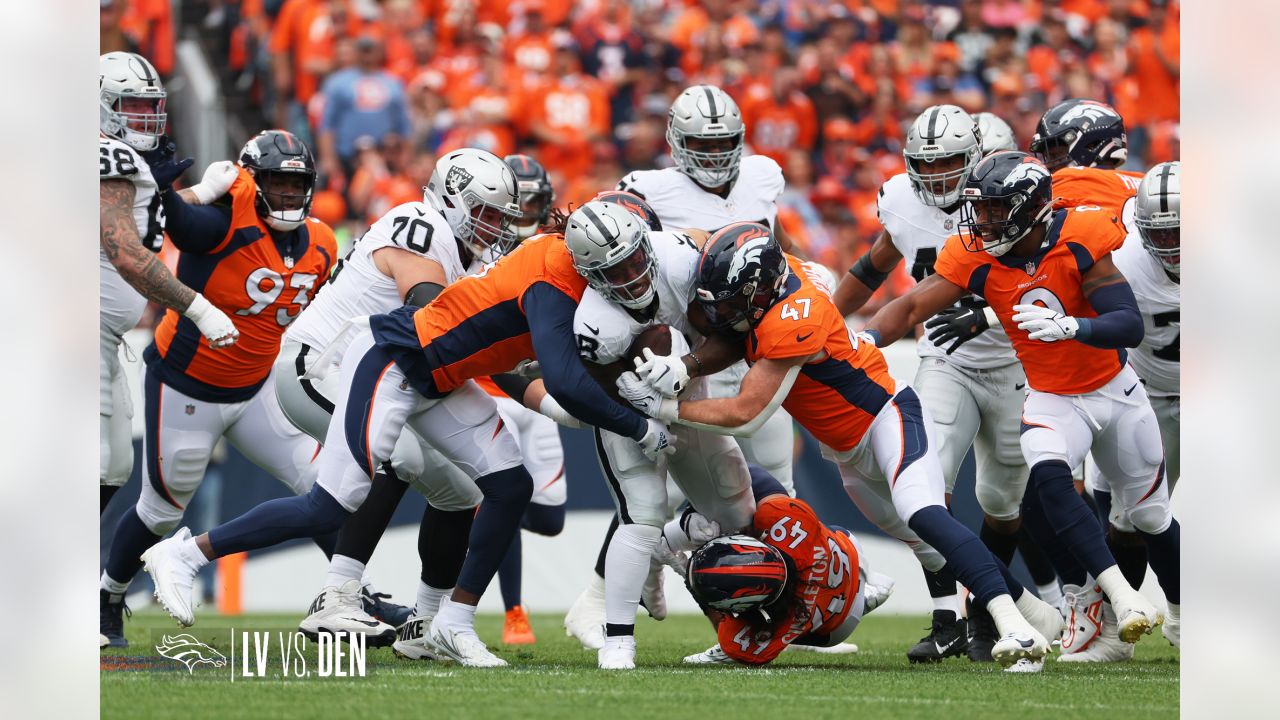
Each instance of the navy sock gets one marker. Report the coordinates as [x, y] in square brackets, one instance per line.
[105, 493]
[1036, 525]
[275, 521]
[362, 531]
[1070, 517]
[967, 558]
[1042, 572]
[327, 542]
[132, 538]
[604, 549]
[1163, 553]
[545, 520]
[509, 574]
[506, 494]
[763, 484]
[442, 544]
[1001, 545]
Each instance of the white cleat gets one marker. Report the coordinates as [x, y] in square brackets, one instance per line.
[652, 595]
[1020, 644]
[837, 649]
[1136, 616]
[411, 639]
[340, 610]
[876, 588]
[1173, 626]
[1026, 666]
[173, 576]
[103, 641]
[711, 656]
[463, 646]
[585, 619]
[1106, 647]
[1042, 616]
[618, 653]
[1082, 609]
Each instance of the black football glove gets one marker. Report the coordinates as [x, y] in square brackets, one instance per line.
[960, 323]
[164, 167]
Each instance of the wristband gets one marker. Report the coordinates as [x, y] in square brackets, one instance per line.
[867, 274]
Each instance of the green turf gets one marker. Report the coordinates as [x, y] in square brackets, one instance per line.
[556, 679]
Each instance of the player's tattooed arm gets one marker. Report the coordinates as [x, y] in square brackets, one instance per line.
[919, 304]
[188, 196]
[120, 242]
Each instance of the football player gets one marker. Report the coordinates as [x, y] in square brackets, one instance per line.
[256, 255]
[838, 387]
[537, 196]
[995, 133]
[973, 389]
[1083, 143]
[1051, 281]
[710, 185]
[636, 279]
[413, 367]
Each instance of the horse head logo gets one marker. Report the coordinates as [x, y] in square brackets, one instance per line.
[189, 651]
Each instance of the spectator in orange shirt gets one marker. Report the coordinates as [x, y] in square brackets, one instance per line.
[839, 156]
[830, 86]
[381, 180]
[111, 36]
[781, 119]
[150, 22]
[532, 48]
[1153, 55]
[568, 115]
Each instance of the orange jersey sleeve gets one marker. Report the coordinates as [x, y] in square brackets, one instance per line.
[1109, 189]
[1078, 238]
[842, 387]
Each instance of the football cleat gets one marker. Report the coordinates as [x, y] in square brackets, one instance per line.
[411, 639]
[837, 649]
[711, 656]
[111, 614]
[876, 588]
[1045, 618]
[516, 629]
[946, 639]
[1136, 616]
[380, 606]
[1018, 645]
[1173, 626]
[173, 576]
[652, 597]
[585, 619]
[462, 645]
[1106, 647]
[618, 653]
[982, 632]
[341, 610]
[1082, 607]
[1026, 665]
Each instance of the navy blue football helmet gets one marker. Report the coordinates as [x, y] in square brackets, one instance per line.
[737, 574]
[635, 204]
[740, 276]
[285, 173]
[1007, 194]
[1085, 133]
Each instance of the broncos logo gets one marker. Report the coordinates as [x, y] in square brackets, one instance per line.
[189, 651]
[747, 254]
[1029, 169]
[1093, 112]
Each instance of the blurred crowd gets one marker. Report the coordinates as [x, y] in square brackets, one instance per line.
[827, 87]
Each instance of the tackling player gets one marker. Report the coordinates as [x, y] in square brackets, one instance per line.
[1083, 143]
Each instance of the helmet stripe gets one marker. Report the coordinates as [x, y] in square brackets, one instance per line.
[711, 103]
[933, 122]
[1164, 187]
[595, 220]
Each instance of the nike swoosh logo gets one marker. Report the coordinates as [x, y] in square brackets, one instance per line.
[1126, 392]
[593, 330]
[802, 338]
[420, 213]
[665, 369]
[1019, 386]
[1026, 643]
[943, 648]
[368, 623]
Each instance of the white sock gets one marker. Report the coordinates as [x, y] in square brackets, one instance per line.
[429, 599]
[677, 539]
[626, 568]
[193, 555]
[950, 603]
[1006, 615]
[1114, 585]
[1050, 593]
[1027, 603]
[455, 615]
[342, 569]
[112, 586]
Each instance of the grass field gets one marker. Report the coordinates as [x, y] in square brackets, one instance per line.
[556, 679]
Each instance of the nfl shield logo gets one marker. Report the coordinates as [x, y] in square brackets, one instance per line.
[191, 409]
[948, 225]
[456, 180]
[1030, 267]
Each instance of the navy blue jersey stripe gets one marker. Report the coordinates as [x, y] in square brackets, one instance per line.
[360, 398]
[978, 279]
[849, 382]
[1084, 260]
[151, 438]
[187, 385]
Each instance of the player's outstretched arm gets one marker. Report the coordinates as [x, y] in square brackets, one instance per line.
[921, 302]
[763, 389]
[867, 275]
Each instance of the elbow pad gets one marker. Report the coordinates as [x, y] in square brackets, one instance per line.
[867, 274]
[423, 293]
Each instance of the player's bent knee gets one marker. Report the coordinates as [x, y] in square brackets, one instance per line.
[507, 485]
[545, 520]
[999, 503]
[1151, 520]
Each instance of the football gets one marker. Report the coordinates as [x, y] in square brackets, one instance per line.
[656, 338]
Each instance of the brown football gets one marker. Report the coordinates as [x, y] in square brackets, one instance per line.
[656, 338]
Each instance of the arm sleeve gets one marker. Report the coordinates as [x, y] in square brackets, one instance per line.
[1119, 322]
[195, 228]
[550, 313]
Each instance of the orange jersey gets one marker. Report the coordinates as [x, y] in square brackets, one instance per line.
[827, 582]
[1110, 189]
[1053, 278]
[261, 283]
[842, 388]
[487, 384]
[477, 326]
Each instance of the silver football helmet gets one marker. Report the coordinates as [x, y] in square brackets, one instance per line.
[132, 99]
[994, 132]
[1158, 214]
[610, 248]
[941, 131]
[706, 132]
[476, 193]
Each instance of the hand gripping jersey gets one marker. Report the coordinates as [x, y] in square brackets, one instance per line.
[122, 306]
[605, 331]
[845, 382]
[1111, 189]
[1157, 359]
[826, 567]
[682, 203]
[477, 326]
[261, 283]
[359, 288]
[918, 231]
[1077, 238]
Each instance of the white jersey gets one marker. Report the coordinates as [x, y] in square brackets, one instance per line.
[122, 306]
[681, 203]
[919, 231]
[360, 288]
[605, 331]
[1159, 298]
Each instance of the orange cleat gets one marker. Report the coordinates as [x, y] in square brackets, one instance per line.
[516, 630]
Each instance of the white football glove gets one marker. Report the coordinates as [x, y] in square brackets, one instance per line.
[212, 322]
[552, 409]
[700, 528]
[646, 398]
[664, 373]
[677, 561]
[657, 441]
[1044, 324]
[528, 368]
[217, 180]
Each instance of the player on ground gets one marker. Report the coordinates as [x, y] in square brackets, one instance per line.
[257, 256]
[973, 389]
[839, 388]
[413, 368]
[1051, 281]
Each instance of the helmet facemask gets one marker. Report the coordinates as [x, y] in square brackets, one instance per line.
[136, 119]
[627, 279]
[487, 229]
[742, 310]
[1162, 238]
[534, 207]
[938, 178]
[710, 167]
[284, 196]
[991, 224]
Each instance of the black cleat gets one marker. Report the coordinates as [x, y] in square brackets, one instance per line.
[111, 614]
[945, 639]
[380, 606]
[982, 632]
